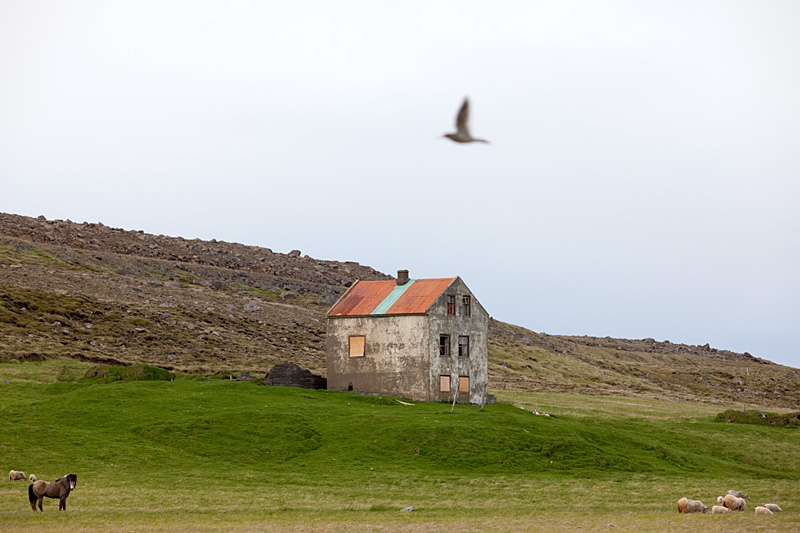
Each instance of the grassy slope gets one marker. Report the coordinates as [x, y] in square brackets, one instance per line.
[212, 453]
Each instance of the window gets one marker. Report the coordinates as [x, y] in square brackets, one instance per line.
[466, 308]
[357, 345]
[463, 346]
[444, 383]
[451, 304]
[444, 345]
[463, 383]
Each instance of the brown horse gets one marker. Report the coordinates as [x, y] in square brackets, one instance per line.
[52, 489]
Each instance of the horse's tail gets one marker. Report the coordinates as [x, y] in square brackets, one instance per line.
[31, 496]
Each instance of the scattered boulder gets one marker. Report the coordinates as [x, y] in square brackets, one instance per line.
[291, 375]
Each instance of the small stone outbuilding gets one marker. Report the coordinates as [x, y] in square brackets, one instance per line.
[423, 339]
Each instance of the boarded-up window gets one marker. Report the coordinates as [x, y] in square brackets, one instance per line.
[463, 346]
[357, 343]
[444, 345]
[444, 383]
[463, 384]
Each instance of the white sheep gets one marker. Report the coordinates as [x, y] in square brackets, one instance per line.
[719, 509]
[32, 478]
[763, 510]
[719, 499]
[686, 505]
[16, 475]
[773, 507]
[734, 503]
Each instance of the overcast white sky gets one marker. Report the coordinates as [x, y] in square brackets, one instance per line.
[643, 178]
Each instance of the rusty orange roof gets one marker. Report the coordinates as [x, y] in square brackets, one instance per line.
[362, 298]
[389, 298]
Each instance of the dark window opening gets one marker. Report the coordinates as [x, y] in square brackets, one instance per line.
[451, 304]
[444, 345]
[466, 306]
[463, 346]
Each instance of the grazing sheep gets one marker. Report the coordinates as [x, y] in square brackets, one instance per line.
[773, 507]
[15, 475]
[719, 499]
[686, 505]
[763, 510]
[733, 503]
[739, 494]
[32, 478]
[718, 509]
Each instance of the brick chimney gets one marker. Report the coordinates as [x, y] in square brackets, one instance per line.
[402, 277]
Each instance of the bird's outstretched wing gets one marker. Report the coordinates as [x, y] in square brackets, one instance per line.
[462, 120]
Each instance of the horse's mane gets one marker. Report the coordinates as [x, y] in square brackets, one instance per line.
[65, 480]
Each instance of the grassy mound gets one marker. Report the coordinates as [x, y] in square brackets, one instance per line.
[760, 418]
[107, 374]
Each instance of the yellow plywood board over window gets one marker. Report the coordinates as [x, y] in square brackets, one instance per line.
[357, 346]
[444, 383]
[463, 384]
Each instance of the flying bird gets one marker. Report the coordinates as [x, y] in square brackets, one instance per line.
[462, 134]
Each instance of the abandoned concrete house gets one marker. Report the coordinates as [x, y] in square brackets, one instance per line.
[423, 339]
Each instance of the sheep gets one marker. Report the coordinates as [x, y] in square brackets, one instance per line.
[763, 510]
[15, 475]
[739, 494]
[686, 505]
[32, 478]
[773, 507]
[733, 503]
[719, 499]
[718, 509]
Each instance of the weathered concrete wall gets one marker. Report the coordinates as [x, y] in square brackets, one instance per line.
[396, 355]
[476, 327]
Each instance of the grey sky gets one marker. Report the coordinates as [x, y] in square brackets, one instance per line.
[643, 178]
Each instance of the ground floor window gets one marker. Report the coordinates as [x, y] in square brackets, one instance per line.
[463, 384]
[444, 383]
[357, 345]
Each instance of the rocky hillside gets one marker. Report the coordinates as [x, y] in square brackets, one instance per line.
[87, 291]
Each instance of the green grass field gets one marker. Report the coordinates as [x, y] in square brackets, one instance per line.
[210, 454]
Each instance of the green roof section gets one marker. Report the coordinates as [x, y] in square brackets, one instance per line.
[390, 300]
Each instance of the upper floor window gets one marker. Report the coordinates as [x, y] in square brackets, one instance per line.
[466, 303]
[463, 346]
[451, 304]
[444, 345]
[357, 345]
